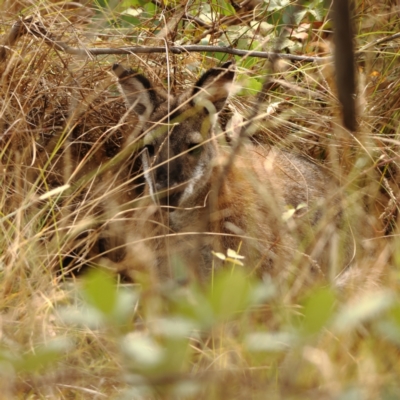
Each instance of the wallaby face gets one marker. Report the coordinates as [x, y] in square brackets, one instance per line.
[179, 149]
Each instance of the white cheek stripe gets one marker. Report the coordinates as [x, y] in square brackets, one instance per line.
[147, 176]
[197, 175]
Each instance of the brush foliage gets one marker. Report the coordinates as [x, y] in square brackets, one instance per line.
[72, 181]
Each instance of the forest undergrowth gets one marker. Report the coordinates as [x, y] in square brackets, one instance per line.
[75, 324]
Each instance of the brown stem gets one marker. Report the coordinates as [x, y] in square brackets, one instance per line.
[22, 27]
[344, 62]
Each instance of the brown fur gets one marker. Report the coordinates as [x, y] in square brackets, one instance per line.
[198, 205]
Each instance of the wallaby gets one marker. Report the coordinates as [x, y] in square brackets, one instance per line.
[261, 206]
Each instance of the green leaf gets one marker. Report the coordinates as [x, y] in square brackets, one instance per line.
[276, 4]
[101, 292]
[318, 10]
[133, 3]
[143, 350]
[223, 7]
[83, 315]
[230, 293]
[298, 16]
[174, 327]
[317, 310]
[107, 4]
[263, 291]
[389, 331]
[192, 304]
[266, 28]
[352, 393]
[130, 20]
[150, 9]
[394, 314]
[102, 3]
[42, 357]
[270, 342]
[250, 86]
[390, 327]
[367, 307]
[126, 302]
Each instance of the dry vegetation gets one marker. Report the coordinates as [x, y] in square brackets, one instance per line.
[68, 177]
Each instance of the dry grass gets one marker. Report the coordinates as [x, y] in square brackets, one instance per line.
[63, 126]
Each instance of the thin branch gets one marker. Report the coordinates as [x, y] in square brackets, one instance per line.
[184, 49]
[37, 29]
[378, 42]
[59, 45]
[25, 26]
[198, 21]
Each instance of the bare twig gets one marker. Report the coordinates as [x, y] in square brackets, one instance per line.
[184, 49]
[378, 42]
[198, 21]
[37, 29]
[25, 26]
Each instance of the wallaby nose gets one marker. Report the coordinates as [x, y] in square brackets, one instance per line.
[165, 178]
[161, 178]
[166, 188]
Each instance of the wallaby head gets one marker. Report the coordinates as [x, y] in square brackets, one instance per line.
[177, 132]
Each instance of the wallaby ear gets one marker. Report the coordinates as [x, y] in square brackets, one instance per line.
[137, 90]
[215, 85]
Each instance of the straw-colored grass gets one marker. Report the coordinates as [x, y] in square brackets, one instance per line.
[70, 183]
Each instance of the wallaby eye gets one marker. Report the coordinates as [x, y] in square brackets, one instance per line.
[195, 149]
[150, 149]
